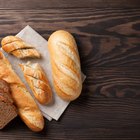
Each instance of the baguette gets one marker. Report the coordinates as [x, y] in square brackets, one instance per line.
[27, 108]
[38, 82]
[65, 64]
[19, 48]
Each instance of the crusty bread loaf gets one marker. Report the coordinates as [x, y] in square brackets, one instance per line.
[65, 63]
[7, 111]
[38, 82]
[27, 108]
[19, 48]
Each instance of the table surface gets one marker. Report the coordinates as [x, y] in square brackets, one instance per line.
[108, 37]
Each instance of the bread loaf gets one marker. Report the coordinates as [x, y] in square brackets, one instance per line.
[16, 46]
[37, 81]
[27, 108]
[65, 64]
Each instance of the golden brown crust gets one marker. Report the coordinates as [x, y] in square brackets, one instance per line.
[33, 127]
[65, 64]
[9, 39]
[26, 53]
[26, 105]
[17, 47]
[28, 110]
[38, 82]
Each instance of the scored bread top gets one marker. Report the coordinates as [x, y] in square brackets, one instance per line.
[38, 82]
[65, 63]
[19, 48]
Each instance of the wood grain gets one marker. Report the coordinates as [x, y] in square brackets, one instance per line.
[43, 4]
[113, 82]
[101, 119]
[108, 38]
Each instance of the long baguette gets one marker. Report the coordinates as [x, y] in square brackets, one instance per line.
[27, 108]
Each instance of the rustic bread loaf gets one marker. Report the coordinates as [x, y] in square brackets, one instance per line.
[65, 64]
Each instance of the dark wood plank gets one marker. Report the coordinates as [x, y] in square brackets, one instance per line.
[113, 82]
[86, 118]
[42, 4]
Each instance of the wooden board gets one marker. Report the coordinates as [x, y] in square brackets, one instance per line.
[108, 38]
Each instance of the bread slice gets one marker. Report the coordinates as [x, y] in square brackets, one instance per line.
[7, 109]
[5, 90]
[7, 112]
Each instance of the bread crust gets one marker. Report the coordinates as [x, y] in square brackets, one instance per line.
[9, 39]
[65, 64]
[25, 53]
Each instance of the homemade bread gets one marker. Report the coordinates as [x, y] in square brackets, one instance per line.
[37, 81]
[5, 90]
[27, 108]
[7, 110]
[65, 64]
[17, 47]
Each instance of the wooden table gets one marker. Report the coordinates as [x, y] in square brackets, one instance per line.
[108, 36]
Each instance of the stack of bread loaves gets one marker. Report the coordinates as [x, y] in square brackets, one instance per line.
[66, 75]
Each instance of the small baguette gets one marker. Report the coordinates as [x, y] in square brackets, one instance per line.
[37, 81]
[16, 46]
[27, 108]
[65, 64]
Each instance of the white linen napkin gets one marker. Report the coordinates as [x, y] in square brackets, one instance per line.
[54, 110]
